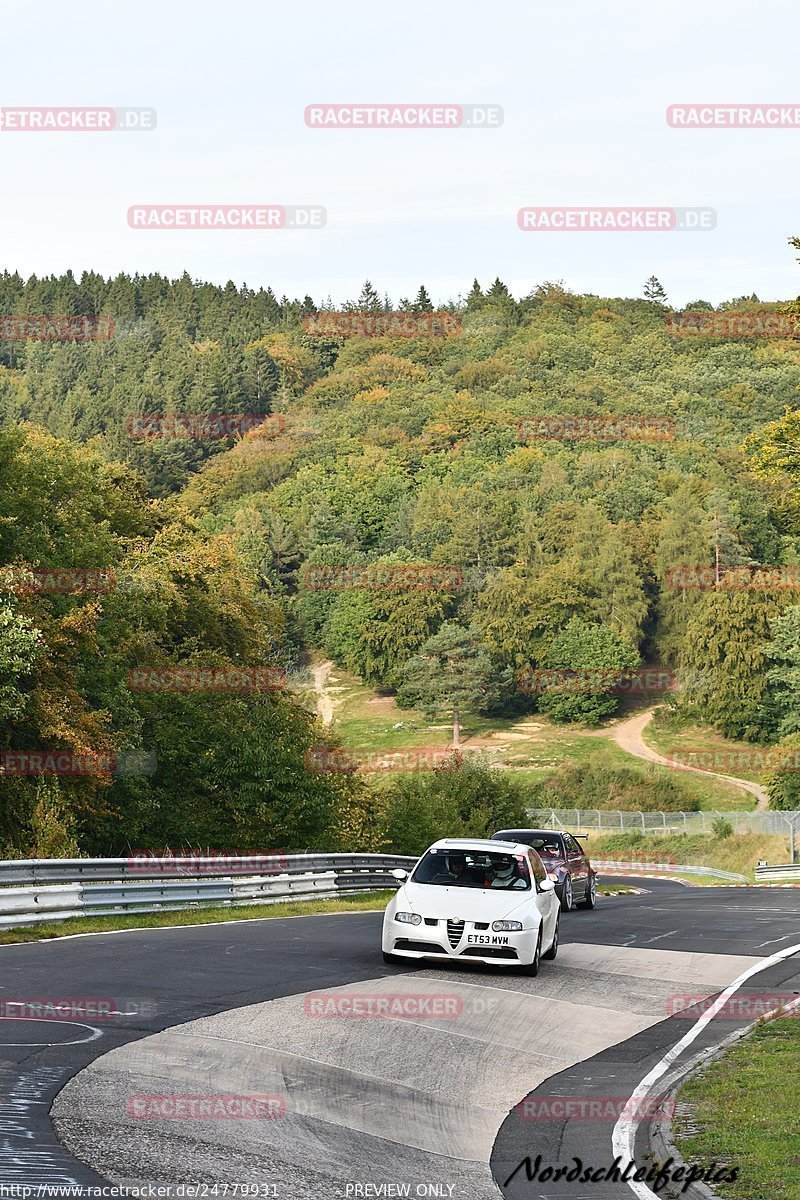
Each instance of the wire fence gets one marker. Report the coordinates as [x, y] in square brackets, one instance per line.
[610, 820]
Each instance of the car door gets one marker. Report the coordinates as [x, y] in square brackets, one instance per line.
[546, 902]
[578, 865]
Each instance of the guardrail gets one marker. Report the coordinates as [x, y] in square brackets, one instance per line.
[769, 874]
[615, 866]
[57, 889]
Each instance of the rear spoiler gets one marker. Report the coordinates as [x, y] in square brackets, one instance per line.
[580, 835]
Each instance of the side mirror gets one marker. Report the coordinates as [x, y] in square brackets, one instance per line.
[547, 885]
[400, 874]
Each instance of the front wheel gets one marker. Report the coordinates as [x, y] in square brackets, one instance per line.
[591, 893]
[533, 968]
[553, 951]
[566, 894]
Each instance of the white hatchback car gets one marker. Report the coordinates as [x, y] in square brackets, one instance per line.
[474, 900]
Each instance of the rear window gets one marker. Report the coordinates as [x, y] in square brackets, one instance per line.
[474, 869]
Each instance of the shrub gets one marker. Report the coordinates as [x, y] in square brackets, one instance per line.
[599, 785]
[461, 798]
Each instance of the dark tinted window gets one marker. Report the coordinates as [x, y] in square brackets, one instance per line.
[542, 840]
[474, 869]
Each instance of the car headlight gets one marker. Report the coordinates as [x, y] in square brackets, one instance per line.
[408, 918]
[506, 926]
[552, 875]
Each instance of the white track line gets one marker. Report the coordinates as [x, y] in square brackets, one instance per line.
[94, 1035]
[623, 1138]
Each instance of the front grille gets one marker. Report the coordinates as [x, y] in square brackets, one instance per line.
[420, 947]
[481, 924]
[454, 931]
[489, 952]
[431, 921]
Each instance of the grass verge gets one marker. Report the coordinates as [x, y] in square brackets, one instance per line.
[702, 746]
[740, 852]
[746, 1104]
[193, 916]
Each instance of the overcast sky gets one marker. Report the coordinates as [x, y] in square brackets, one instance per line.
[584, 87]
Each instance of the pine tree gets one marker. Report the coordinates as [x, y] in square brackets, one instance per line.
[422, 302]
[654, 291]
[369, 300]
[452, 673]
[475, 298]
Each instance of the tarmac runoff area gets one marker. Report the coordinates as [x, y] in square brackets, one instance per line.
[371, 1101]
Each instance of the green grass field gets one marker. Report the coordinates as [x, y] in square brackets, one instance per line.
[529, 745]
[739, 852]
[746, 1104]
[700, 745]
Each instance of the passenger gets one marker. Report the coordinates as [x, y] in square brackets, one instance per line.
[508, 875]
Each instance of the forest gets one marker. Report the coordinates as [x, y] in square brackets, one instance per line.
[560, 488]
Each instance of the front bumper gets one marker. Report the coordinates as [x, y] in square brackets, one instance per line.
[475, 942]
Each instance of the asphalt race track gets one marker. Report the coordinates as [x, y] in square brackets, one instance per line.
[370, 1106]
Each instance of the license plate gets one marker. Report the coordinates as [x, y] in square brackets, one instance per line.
[485, 939]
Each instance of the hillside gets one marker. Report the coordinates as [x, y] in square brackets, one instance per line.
[417, 509]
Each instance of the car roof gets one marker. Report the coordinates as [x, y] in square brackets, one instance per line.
[476, 844]
[535, 832]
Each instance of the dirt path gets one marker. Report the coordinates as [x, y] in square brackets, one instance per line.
[628, 736]
[320, 675]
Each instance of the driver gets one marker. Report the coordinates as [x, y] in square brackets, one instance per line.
[455, 867]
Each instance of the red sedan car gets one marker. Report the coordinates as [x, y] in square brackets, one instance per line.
[564, 858]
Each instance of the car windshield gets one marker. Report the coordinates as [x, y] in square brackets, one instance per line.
[473, 869]
[548, 846]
